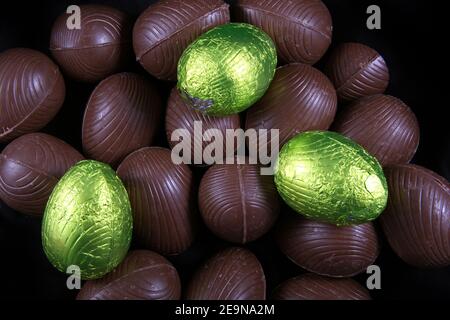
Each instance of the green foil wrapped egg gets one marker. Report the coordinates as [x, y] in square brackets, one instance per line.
[88, 220]
[227, 69]
[328, 177]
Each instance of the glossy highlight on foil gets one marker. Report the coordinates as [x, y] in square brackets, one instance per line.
[326, 176]
[87, 222]
[227, 69]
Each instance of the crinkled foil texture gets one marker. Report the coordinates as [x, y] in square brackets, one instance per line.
[227, 69]
[328, 177]
[88, 221]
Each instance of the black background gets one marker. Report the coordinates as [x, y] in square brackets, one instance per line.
[412, 49]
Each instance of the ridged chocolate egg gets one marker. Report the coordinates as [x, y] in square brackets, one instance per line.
[314, 287]
[181, 116]
[99, 48]
[30, 167]
[87, 222]
[301, 29]
[237, 203]
[142, 275]
[416, 221]
[300, 98]
[123, 115]
[166, 28]
[161, 195]
[232, 274]
[328, 177]
[32, 91]
[326, 249]
[384, 125]
[356, 71]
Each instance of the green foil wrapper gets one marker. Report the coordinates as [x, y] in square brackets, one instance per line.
[88, 220]
[227, 69]
[328, 177]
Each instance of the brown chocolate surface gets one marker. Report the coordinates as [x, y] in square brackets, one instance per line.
[32, 91]
[300, 98]
[232, 274]
[356, 71]
[384, 125]
[161, 196]
[315, 287]
[326, 249]
[237, 203]
[416, 221]
[30, 167]
[180, 115]
[142, 275]
[101, 47]
[301, 29]
[165, 29]
[123, 114]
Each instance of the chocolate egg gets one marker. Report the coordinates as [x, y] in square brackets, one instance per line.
[416, 221]
[383, 125]
[237, 203]
[326, 249]
[99, 48]
[181, 116]
[357, 71]
[142, 275]
[300, 98]
[227, 69]
[122, 115]
[166, 28]
[87, 221]
[328, 177]
[301, 29]
[32, 91]
[30, 167]
[161, 195]
[232, 274]
[314, 287]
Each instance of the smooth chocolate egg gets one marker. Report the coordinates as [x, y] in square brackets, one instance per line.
[99, 48]
[237, 203]
[384, 125]
[142, 275]
[123, 115]
[32, 91]
[314, 287]
[166, 28]
[416, 221]
[161, 196]
[326, 249]
[30, 167]
[232, 274]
